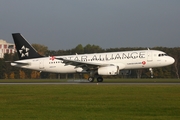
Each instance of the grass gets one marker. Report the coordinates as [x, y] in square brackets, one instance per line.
[90, 101]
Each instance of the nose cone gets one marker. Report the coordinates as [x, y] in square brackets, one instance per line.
[170, 60]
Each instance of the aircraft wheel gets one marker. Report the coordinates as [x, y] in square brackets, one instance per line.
[99, 79]
[91, 79]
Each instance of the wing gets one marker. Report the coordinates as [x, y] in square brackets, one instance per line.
[84, 65]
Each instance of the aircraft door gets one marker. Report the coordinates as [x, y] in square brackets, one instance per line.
[41, 64]
[149, 56]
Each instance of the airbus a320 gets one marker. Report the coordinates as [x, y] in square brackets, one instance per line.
[97, 64]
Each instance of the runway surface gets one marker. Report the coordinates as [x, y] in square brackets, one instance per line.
[87, 83]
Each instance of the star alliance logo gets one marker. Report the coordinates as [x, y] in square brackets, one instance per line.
[24, 51]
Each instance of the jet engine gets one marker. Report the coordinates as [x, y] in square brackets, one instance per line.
[108, 70]
[80, 70]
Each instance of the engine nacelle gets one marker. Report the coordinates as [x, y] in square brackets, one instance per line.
[80, 70]
[108, 70]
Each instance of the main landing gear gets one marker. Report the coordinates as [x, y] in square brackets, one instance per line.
[99, 79]
[93, 74]
[151, 71]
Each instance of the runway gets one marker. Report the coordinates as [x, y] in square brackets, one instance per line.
[87, 83]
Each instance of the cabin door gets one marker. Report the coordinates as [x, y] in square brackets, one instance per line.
[149, 56]
[41, 64]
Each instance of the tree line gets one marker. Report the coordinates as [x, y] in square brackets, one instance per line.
[9, 72]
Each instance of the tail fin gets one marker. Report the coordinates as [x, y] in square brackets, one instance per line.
[24, 49]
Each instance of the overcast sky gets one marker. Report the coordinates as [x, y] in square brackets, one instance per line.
[63, 24]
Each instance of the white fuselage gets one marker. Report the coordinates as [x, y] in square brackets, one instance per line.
[124, 60]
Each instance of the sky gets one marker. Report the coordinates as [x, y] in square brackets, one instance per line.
[63, 24]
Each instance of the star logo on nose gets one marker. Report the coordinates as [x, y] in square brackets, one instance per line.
[24, 51]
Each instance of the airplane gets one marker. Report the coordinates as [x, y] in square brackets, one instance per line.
[96, 64]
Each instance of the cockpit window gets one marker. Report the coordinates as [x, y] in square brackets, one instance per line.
[160, 55]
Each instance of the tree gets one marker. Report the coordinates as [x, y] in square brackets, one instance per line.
[6, 67]
[12, 75]
[139, 73]
[40, 48]
[1, 69]
[35, 74]
[22, 74]
[176, 55]
[92, 49]
[78, 49]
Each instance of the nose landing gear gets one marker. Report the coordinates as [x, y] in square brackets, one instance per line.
[151, 71]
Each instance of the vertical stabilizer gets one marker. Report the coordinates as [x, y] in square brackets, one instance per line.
[24, 49]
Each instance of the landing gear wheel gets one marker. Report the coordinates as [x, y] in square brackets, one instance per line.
[99, 79]
[91, 79]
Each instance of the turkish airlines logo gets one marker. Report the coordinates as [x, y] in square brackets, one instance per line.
[52, 58]
[24, 51]
[143, 62]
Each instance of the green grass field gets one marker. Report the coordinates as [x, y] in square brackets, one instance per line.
[90, 101]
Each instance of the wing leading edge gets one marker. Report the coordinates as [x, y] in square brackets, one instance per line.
[84, 64]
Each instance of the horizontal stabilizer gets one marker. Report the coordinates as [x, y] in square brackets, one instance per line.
[19, 64]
